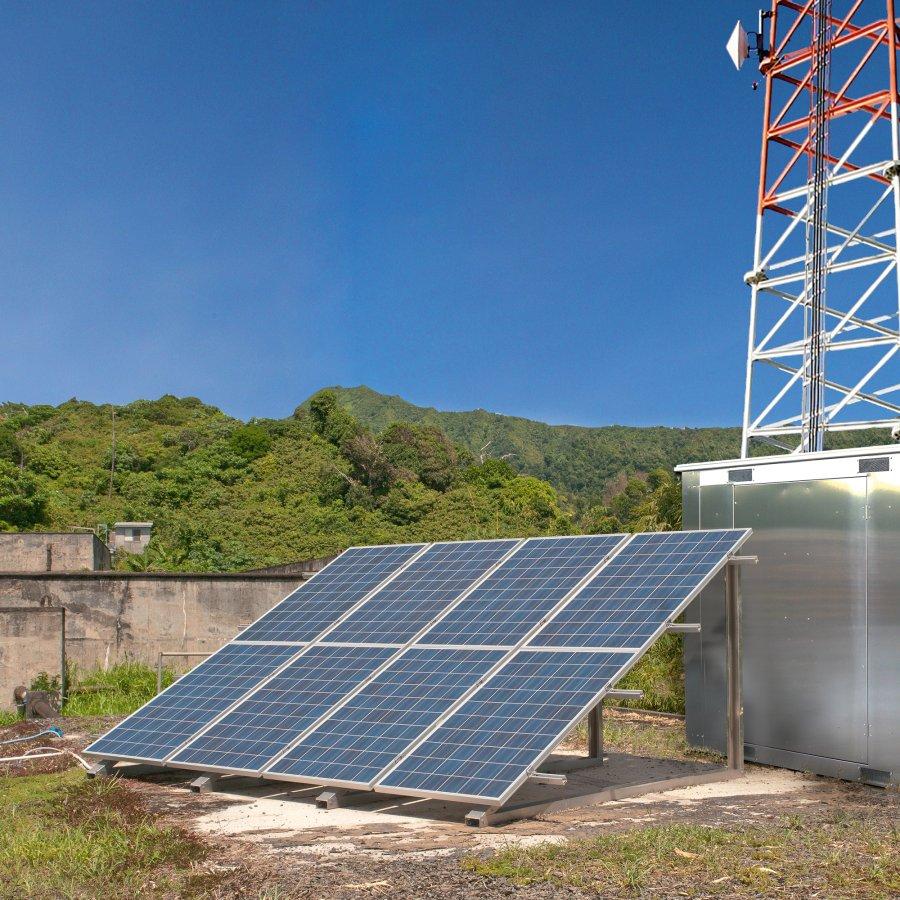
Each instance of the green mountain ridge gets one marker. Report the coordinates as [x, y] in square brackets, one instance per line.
[588, 464]
[349, 466]
[227, 495]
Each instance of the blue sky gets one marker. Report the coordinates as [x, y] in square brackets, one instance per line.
[541, 209]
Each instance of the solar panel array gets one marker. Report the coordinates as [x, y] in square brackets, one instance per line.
[487, 744]
[374, 727]
[172, 717]
[447, 670]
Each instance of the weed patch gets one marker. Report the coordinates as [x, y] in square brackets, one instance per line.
[116, 691]
[62, 835]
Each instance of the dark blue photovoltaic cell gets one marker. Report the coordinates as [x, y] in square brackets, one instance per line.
[420, 593]
[641, 588]
[361, 738]
[266, 722]
[170, 718]
[317, 603]
[505, 726]
[506, 606]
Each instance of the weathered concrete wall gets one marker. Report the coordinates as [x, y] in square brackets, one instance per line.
[48, 551]
[30, 643]
[111, 615]
[293, 568]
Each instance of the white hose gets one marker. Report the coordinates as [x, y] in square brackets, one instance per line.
[43, 752]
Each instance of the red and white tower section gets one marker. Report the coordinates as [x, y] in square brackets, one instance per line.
[824, 345]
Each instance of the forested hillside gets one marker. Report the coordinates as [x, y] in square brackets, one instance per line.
[586, 464]
[227, 495]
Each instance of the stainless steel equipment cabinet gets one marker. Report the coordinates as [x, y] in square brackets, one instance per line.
[821, 611]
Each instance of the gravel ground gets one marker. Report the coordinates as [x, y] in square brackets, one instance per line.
[270, 842]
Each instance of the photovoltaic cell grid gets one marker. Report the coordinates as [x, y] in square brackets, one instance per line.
[514, 598]
[642, 587]
[364, 736]
[170, 718]
[420, 593]
[483, 749]
[317, 603]
[278, 713]
[486, 745]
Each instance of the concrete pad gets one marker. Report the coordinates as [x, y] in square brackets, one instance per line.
[260, 813]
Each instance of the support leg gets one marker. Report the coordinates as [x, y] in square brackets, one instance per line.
[333, 799]
[102, 769]
[595, 734]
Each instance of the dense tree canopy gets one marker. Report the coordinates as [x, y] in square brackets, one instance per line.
[228, 495]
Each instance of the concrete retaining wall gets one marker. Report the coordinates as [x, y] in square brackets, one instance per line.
[31, 643]
[111, 615]
[48, 551]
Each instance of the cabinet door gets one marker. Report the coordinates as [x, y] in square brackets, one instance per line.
[884, 622]
[804, 616]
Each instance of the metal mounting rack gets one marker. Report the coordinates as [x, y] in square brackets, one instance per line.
[553, 773]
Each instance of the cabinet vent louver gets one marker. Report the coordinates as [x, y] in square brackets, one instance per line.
[737, 475]
[875, 464]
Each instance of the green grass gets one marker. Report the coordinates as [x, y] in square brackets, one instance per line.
[660, 676]
[843, 857]
[663, 739]
[117, 691]
[9, 717]
[62, 835]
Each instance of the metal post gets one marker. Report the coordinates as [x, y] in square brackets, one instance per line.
[595, 733]
[735, 710]
[63, 680]
[159, 660]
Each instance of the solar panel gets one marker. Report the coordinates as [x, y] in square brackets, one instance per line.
[330, 593]
[170, 718]
[420, 593]
[279, 711]
[361, 738]
[483, 749]
[465, 713]
[641, 587]
[514, 598]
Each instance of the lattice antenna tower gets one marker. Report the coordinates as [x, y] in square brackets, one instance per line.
[825, 298]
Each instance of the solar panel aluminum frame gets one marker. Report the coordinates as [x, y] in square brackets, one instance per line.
[319, 642]
[510, 652]
[302, 647]
[635, 658]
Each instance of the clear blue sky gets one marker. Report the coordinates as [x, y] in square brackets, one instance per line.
[539, 208]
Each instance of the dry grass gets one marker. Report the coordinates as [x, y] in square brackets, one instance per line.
[844, 857]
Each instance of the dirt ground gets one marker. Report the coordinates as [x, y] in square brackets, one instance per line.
[271, 841]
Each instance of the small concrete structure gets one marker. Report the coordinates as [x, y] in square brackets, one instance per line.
[53, 551]
[130, 537]
[33, 641]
